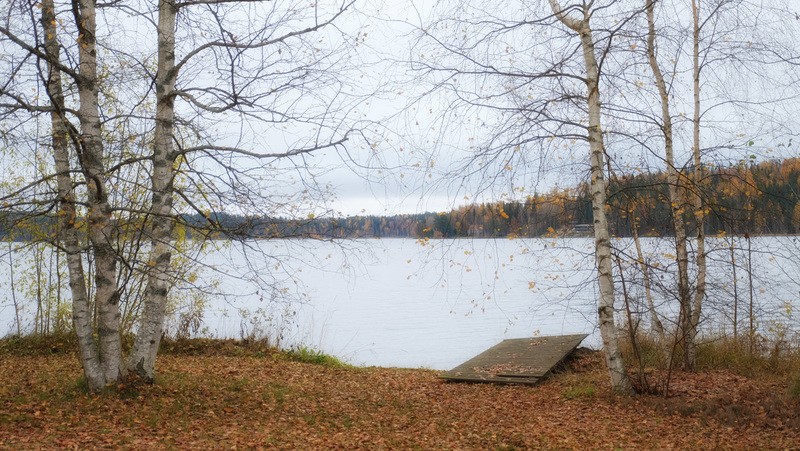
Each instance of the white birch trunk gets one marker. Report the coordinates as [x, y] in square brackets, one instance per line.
[655, 323]
[100, 221]
[68, 232]
[143, 357]
[674, 180]
[699, 204]
[620, 382]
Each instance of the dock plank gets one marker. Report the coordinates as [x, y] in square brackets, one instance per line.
[518, 361]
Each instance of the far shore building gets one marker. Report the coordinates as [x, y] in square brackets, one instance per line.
[578, 230]
[475, 230]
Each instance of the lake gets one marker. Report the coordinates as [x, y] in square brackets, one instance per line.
[436, 303]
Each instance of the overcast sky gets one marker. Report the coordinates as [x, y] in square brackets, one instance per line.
[416, 145]
[424, 181]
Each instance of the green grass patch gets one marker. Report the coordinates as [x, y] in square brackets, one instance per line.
[581, 390]
[276, 392]
[794, 388]
[305, 354]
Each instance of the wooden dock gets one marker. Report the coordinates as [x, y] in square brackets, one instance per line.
[516, 361]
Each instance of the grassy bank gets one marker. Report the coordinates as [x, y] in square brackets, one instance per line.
[226, 394]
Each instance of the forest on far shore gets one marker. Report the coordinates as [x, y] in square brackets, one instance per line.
[748, 198]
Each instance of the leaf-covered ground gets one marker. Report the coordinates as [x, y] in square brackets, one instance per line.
[247, 401]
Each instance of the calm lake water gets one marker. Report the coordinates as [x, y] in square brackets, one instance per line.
[396, 302]
[434, 304]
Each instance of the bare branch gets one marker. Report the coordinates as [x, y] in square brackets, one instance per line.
[289, 153]
[264, 43]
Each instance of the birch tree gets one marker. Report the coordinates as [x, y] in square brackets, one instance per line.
[525, 85]
[277, 67]
[690, 323]
[143, 356]
[719, 39]
[608, 330]
[674, 181]
[95, 374]
[148, 339]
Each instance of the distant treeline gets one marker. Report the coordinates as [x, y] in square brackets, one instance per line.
[748, 198]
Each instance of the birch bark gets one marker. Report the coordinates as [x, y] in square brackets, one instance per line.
[619, 377]
[100, 221]
[655, 322]
[68, 228]
[674, 180]
[143, 356]
[699, 204]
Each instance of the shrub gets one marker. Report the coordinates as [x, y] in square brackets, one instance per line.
[720, 352]
[38, 344]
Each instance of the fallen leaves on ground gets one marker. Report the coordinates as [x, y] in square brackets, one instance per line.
[208, 401]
